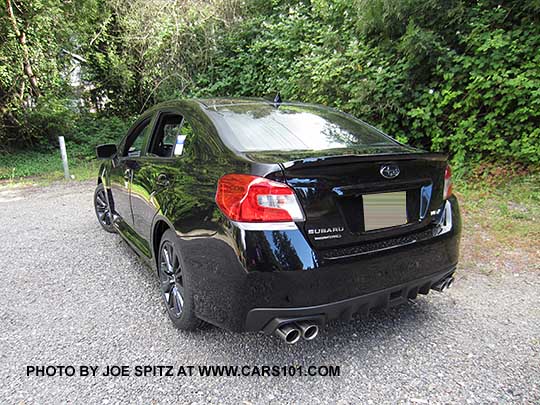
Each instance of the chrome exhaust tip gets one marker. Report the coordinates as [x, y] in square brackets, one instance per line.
[309, 330]
[289, 334]
[443, 284]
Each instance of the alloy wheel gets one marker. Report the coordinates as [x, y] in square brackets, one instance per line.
[170, 276]
[102, 208]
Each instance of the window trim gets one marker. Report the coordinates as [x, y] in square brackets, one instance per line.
[146, 120]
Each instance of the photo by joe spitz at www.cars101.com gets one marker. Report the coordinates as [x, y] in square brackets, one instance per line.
[277, 217]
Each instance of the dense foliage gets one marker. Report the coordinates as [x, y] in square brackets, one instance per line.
[447, 75]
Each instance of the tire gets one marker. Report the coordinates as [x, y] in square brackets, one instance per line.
[175, 285]
[103, 212]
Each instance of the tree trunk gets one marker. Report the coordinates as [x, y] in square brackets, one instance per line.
[21, 37]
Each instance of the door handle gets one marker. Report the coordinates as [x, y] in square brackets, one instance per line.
[163, 180]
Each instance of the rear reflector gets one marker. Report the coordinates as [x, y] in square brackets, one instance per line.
[246, 198]
[447, 183]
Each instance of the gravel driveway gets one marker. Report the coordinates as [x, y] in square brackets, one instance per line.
[72, 294]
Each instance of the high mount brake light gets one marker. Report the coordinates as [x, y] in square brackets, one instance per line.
[246, 198]
[447, 183]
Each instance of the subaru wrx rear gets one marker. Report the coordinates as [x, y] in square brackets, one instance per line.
[278, 217]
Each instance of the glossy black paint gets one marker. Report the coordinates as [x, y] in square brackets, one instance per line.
[106, 151]
[235, 270]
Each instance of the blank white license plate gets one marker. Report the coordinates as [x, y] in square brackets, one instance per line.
[384, 210]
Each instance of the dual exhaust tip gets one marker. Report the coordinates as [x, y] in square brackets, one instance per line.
[443, 284]
[292, 332]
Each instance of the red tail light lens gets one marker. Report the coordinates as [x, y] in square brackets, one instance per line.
[447, 183]
[246, 198]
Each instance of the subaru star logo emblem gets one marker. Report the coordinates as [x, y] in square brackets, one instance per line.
[389, 171]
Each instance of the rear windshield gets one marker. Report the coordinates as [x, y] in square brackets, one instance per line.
[263, 127]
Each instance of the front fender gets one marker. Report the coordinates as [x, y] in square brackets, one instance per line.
[103, 174]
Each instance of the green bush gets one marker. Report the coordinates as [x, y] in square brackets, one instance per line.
[444, 75]
[91, 130]
[82, 135]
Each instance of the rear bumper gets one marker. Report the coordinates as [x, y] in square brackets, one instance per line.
[268, 319]
[242, 280]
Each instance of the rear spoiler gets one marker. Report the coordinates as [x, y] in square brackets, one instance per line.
[347, 159]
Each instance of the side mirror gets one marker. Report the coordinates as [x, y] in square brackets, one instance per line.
[106, 151]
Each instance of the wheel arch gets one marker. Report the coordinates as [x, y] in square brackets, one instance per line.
[161, 225]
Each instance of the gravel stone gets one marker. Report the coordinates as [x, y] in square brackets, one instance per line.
[72, 294]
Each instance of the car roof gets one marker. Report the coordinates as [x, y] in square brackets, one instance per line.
[215, 103]
[219, 103]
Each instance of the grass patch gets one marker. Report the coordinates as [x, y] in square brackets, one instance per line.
[508, 206]
[501, 220]
[25, 164]
[43, 167]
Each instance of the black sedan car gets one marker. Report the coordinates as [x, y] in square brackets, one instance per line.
[277, 217]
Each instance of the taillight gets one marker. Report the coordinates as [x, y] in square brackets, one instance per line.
[246, 198]
[447, 183]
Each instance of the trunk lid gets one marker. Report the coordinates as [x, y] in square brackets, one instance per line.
[342, 195]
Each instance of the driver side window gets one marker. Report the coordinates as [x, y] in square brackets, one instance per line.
[135, 142]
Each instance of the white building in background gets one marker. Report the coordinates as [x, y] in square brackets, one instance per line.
[80, 86]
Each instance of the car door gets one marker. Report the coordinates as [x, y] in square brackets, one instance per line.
[170, 180]
[157, 170]
[130, 150]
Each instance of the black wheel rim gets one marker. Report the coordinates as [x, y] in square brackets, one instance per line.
[170, 275]
[102, 208]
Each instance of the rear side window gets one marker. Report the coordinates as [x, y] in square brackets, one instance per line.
[170, 136]
[263, 127]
